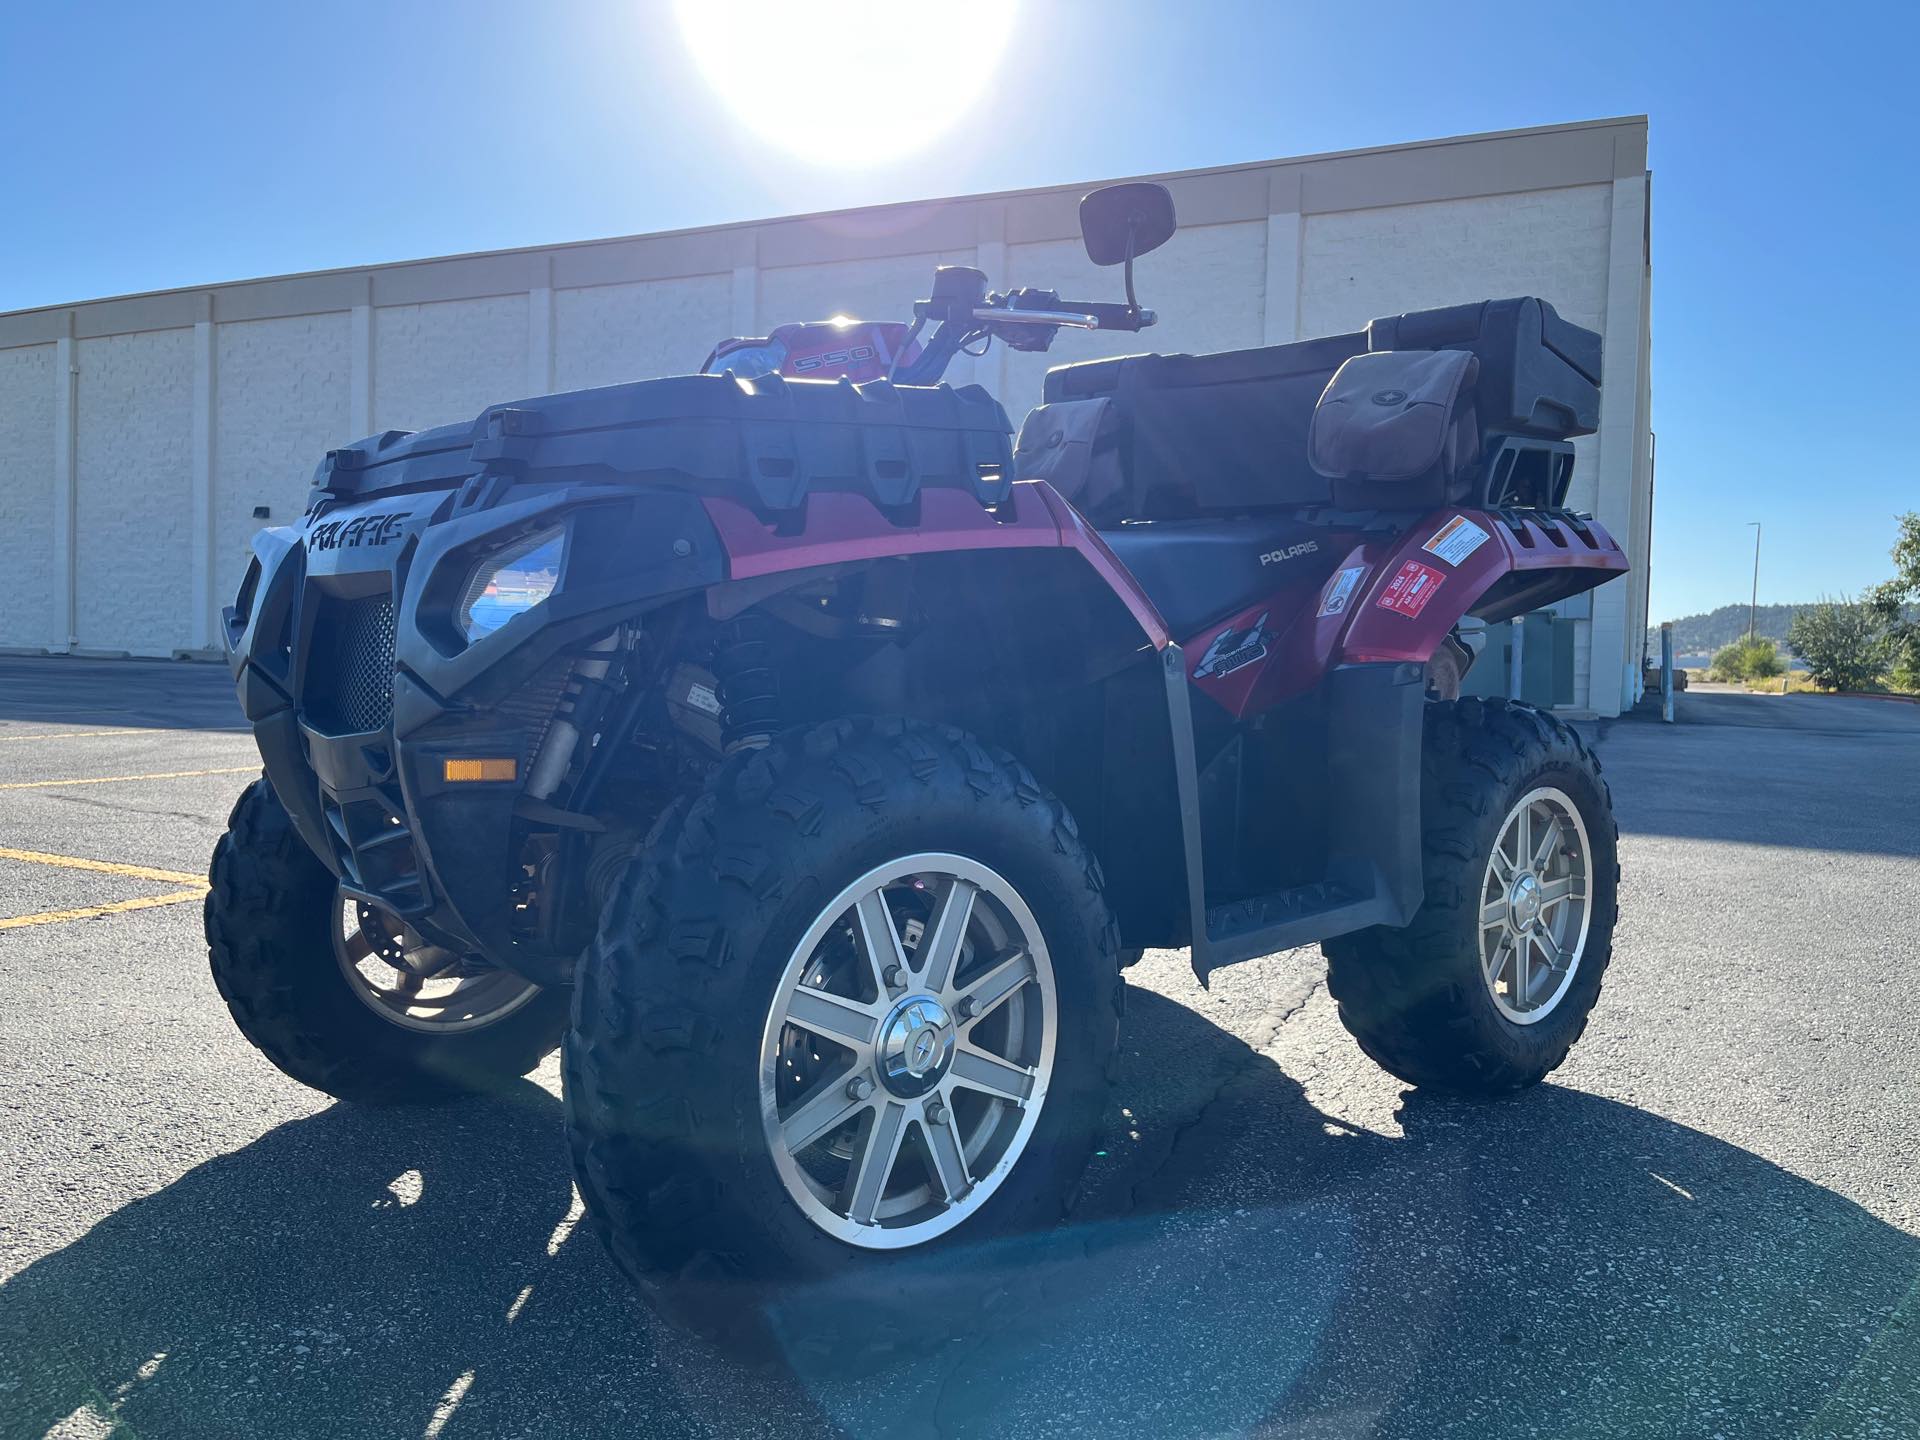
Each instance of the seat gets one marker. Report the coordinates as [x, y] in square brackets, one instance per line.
[1198, 571]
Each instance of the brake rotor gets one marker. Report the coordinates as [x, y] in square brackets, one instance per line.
[398, 946]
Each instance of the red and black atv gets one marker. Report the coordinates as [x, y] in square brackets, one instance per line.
[810, 759]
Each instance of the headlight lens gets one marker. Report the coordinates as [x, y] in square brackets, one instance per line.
[511, 581]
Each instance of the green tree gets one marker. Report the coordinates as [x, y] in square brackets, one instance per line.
[1756, 659]
[1844, 644]
[1893, 603]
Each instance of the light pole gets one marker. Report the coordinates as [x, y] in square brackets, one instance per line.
[1753, 602]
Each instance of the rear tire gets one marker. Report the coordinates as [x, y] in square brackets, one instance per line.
[1426, 1001]
[673, 1138]
[268, 917]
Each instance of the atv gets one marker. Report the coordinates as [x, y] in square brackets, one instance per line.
[808, 759]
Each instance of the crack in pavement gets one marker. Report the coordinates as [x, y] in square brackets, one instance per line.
[1267, 1032]
[203, 822]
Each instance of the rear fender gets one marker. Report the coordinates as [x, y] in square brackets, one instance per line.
[1363, 638]
[1396, 598]
[1493, 565]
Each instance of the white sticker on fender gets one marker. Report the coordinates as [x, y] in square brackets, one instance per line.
[1456, 540]
[1341, 590]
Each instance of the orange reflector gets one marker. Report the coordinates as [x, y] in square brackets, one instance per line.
[482, 770]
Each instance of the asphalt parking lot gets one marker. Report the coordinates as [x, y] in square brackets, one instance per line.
[1707, 1224]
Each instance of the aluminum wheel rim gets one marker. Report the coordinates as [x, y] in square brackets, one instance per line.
[1535, 906]
[409, 982]
[907, 1052]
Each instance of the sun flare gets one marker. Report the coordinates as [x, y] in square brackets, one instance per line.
[848, 82]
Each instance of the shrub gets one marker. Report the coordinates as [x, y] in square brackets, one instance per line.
[1755, 659]
[1844, 644]
[1763, 660]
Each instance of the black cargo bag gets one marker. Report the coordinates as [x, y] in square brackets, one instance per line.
[1200, 435]
[1396, 430]
[1074, 445]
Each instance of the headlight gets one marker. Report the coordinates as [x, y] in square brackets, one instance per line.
[510, 581]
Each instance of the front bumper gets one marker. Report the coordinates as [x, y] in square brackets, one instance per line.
[359, 685]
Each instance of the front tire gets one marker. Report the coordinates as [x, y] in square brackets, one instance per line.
[296, 980]
[1490, 985]
[871, 940]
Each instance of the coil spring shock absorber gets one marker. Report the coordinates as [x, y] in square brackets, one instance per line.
[749, 684]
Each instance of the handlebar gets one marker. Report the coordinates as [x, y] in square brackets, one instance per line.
[964, 312]
[1075, 314]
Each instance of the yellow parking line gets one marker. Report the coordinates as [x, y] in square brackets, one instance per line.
[105, 867]
[121, 779]
[55, 917]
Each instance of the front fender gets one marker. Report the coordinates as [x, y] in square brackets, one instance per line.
[842, 527]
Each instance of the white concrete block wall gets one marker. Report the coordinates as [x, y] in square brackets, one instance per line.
[1622, 441]
[28, 615]
[439, 363]
[134, 525]
[1552, 243]
[610, 334]
[281, 402]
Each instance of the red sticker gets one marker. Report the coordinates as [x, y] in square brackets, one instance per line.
[1408, 592]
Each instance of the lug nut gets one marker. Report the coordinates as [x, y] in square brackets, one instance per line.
[859, 1088]
[965, 1009]
[895, 977]
[936, 1113]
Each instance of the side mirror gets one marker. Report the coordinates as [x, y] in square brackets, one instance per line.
[1122, 222]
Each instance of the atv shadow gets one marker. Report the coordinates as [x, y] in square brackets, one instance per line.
[71, 691]
[1237, 1264]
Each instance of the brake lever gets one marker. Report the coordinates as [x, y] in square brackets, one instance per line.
[1072, 319]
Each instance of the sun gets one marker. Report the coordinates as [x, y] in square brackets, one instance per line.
[848, 82]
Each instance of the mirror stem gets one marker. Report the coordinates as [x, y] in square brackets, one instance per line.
[1132, 304]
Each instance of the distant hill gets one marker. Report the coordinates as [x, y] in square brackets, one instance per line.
[1704, 634]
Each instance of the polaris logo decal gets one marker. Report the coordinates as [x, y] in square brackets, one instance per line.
[1276, 557]
[381, 529]
[1233, 650]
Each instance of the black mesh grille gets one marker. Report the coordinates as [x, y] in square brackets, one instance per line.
[350, 671]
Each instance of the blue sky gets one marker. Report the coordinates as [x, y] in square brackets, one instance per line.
[153, 146]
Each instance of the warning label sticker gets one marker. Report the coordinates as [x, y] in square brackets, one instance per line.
[1340, 591]
[1408, 592]
[1456, 540]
